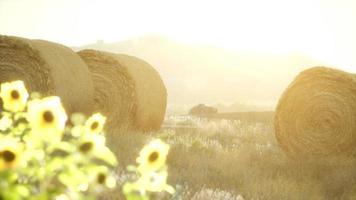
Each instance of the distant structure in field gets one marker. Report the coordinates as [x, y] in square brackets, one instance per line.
[202, 109]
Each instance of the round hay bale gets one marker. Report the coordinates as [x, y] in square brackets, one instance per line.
[316, 115]
[114, 90]
[48, 68]
[127, 89]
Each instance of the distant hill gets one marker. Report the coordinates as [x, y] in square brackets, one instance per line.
[206, 74]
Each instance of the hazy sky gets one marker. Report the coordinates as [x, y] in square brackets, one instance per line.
[323, 29]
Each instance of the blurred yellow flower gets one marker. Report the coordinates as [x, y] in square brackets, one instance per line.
[10, 153]
[77, 119]
[47, 116]
[153, 156]
[95, 123]
[91, 143]
[101, 177]
[62, 197]
[14, 96]
[155, 182]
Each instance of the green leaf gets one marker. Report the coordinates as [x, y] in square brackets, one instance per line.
[136, 197]
[105, 154]
[22, 190]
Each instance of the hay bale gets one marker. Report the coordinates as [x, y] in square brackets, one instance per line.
[316, 115]
[114, 90]
[48, 68]
[127, 89]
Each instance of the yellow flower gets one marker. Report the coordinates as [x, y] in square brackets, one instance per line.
[101, 177]
[153, 156]
[62, 197]
[10, 152]
[155, 182]
[47, 117]
[91, 143]
[95, 123]
[14, 96]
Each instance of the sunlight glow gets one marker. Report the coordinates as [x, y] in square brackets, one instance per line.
[324, 30]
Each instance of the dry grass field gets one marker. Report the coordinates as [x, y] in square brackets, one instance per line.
[233, 99]
[229, 159]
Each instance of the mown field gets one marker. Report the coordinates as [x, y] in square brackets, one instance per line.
[222, 158]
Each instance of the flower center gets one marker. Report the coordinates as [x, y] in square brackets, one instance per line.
[94, 125]
[101, 178]
[8, 156]
[85, 147]
[48, 116]
[153, 156]
[15, 94]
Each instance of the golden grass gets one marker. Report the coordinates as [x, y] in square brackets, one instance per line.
[244, 159]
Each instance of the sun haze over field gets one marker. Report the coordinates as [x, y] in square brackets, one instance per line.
[242, 99]
[322, 30]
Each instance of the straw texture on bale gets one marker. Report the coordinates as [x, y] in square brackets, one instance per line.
[316, 115]
[127, 89]
[47, 68]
